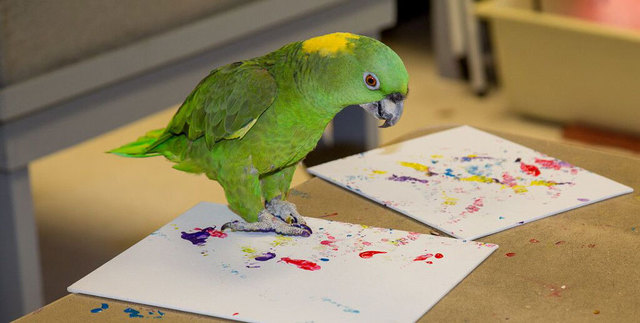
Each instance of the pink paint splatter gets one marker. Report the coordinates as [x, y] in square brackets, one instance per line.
[508, 180]
[552, 164]
[530, 169]
[329, 242]
[475, 207]
[302, 264]
[369, 254]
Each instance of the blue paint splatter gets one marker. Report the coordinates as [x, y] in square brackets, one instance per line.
[266, 256]
[102, 307]
[133, 313]
[501, 217]
[449, 172]
[396, 178]
[324, 259]
[473, 170]
[344, 308]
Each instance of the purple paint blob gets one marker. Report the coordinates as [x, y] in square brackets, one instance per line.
[583, 199]
[396, 178]
[199, 238]
[266, 256]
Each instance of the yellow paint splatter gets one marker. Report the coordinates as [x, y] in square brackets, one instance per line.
[448, 200]
[519, 189]
[542, 183]
[416, 166]
[248, 250]
[329, 44]
[379, 171]
[281, 241]
[476, 178]
[436, 156]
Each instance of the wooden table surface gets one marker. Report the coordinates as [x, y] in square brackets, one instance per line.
[580, 265]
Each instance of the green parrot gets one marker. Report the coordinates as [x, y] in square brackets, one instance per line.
[249, 123]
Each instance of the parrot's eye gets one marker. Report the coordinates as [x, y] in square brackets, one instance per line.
[371, 81]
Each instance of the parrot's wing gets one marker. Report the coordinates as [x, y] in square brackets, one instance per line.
[226, 104]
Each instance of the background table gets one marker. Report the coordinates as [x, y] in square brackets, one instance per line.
[579, 265]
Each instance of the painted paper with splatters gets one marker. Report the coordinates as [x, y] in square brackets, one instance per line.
[343, 272]
[468, 183]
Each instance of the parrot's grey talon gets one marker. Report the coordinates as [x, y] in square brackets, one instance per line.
[285, 210]
[228, 225]
[269, 223]
[304, 227]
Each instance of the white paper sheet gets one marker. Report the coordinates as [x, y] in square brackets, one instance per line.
[336, 275]
[468, 183]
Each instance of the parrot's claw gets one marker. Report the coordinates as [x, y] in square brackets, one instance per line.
[269, 223]
[286, 211]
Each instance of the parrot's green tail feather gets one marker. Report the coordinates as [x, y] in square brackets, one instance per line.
[142, 147]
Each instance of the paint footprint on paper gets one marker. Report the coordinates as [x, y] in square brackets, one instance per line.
[200, 237]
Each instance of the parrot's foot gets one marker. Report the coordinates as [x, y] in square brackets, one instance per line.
[285, 210]
[269, 223]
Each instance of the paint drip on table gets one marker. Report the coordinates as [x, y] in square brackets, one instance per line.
[468, 183]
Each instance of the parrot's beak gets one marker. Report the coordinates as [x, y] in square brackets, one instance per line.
[388, 109]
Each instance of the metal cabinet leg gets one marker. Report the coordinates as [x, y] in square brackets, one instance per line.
[354, 128]
[20, 273]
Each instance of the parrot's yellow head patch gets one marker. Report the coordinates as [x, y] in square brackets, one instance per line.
[329, 44]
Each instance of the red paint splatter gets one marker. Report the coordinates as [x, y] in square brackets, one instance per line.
[510, 254]
[302, 264]
[534, 240]
[439, 255]
[217, 234]
[326, 242]
[429, 262]
[423, 257]
[234, 314]
[530, 169]
[369, 254]
[561, 242]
